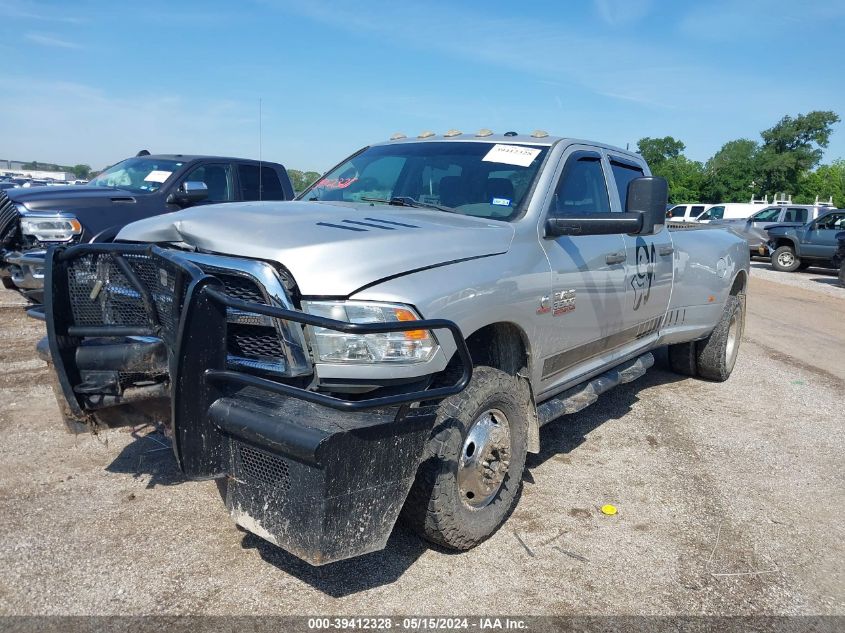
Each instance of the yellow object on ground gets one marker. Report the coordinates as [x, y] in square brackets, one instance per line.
[608, 509]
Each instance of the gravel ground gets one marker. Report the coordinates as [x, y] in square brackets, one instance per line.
[823, 280]
[729, 499]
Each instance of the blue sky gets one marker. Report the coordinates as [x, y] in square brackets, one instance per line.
[93, 82]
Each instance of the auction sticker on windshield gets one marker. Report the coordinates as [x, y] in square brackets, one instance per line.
[511, 155]
[158, 176]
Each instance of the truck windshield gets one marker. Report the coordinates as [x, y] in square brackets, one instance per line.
[138, 175]
[482, 179]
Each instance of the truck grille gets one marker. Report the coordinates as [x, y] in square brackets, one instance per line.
[101, 294]
[8, 218]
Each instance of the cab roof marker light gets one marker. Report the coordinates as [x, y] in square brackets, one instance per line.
[426, 134]
[398, 136]
[484, 132]
[452, 133]
[539, 134]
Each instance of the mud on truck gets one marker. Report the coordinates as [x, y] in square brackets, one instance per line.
[390, 343]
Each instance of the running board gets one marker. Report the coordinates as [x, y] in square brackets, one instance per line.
[582, 396]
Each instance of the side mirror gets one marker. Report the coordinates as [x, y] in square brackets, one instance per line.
[645, 213]
[190, 192]
[648, 196]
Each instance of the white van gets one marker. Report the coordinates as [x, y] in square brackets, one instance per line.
[729, 211]
[685, 212]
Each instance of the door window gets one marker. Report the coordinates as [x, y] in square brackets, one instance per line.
[581, 189]
[624, 174]
[834, 221]
[265, 186]
[696, 210]
[678, 212]
[218, 179]
[713, 213]
[794, 214]
[766, 215]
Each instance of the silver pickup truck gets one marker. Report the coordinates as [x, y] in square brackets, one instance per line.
[391, 342]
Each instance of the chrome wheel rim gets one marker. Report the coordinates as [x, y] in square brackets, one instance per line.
[732, 345]
[786, 259]
[485, 459]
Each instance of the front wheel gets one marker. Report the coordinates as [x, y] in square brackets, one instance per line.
[785, 260]
[842, 274]
[471, 472]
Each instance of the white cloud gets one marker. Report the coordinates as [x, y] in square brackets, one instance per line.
[620, 12]
[51, 41]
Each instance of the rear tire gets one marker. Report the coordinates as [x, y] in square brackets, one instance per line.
[717, 354]
[682, 358]
[785, 260]
[471, 473]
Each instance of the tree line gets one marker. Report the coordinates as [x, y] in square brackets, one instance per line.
[786, 160]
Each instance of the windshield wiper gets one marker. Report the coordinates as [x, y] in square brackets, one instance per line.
[407, 201]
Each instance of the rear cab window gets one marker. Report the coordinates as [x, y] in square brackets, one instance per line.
[624, 173]
[263, 185]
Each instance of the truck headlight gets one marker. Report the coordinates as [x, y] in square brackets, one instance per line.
[332, 346]
[51, 228]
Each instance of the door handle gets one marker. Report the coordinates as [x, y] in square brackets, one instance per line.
[666, 250]
[616, 258]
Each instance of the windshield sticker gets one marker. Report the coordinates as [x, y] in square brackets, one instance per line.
[339, 183]
[157, 176]
[501, 202]
[511, 155]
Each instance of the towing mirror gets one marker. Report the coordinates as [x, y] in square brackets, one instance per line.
[190, 192]
[648, 196]
[645, 213]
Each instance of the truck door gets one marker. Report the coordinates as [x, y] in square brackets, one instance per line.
[819, 240]
[755, 226]
[648, 264]
[584, 311]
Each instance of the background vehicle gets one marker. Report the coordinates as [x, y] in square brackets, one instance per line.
[686, 212]
[839, 257]
[133, 189]
[498, 281]
[811, 244]
[728, 211]
[755, 228]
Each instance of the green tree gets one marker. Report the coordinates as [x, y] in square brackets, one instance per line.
[730, 175]
[684, 176]
[658, 150]
[81, 171]
[301, 179]
[793, 147]
[824, 182]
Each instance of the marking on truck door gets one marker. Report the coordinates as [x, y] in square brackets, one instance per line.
[641, 281]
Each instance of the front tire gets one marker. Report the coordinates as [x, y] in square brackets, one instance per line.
[785, 260]
[471, 473]
[717, 354]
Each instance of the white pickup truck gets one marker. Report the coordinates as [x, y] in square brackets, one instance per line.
[392, 341]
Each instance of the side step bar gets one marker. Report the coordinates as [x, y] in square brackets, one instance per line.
[582, 396]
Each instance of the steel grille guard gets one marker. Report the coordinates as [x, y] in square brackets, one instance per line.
[205, 294]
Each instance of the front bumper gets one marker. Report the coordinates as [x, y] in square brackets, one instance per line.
[26, 271]
[321, 476]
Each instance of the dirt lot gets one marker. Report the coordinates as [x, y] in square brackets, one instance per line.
[730, 501]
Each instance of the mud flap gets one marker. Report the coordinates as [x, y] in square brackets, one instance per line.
[321, 484]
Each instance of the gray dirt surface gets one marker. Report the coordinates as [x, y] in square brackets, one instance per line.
[729, 502]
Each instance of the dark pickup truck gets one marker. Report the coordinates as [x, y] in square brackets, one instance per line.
[33, 219]
[811, 244]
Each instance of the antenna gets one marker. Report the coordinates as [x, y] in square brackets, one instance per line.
[260, 169]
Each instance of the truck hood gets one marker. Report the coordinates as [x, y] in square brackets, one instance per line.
[68, 198]
[331, 249]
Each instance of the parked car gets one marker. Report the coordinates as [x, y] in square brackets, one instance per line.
[755, 228]
[811, 244]
[4, 186]
[136, 188]
[839, 257]
[497, 281]
[686, 212]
